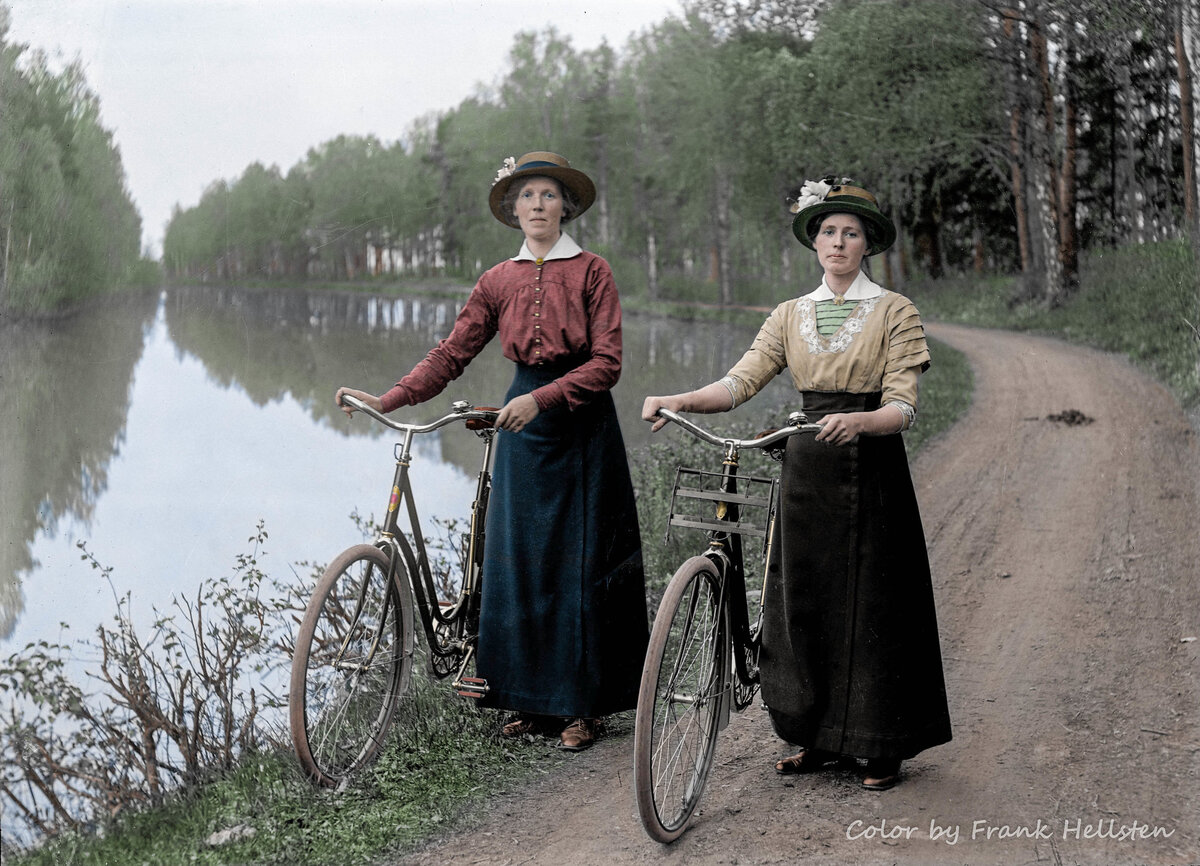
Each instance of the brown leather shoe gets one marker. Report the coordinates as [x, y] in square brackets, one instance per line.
[578, 735]
[805, 761]
[520, 726]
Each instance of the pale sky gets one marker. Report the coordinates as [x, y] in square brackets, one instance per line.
[197, 90]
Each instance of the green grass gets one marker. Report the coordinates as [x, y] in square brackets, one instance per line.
[444, 756]
[1139, 301]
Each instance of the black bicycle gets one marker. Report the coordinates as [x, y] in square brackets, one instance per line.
[702, 662]
[354, 652]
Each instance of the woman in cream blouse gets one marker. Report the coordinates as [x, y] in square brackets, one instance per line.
[851, 663]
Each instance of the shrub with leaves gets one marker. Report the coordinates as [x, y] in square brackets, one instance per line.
[169, 706]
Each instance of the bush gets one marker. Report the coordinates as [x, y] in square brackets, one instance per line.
[173, 706]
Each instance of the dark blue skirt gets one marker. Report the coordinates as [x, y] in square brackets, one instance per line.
[563, 625]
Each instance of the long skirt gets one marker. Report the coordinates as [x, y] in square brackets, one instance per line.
[851, 661]
[563, 621]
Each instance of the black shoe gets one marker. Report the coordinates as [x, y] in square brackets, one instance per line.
[882, 774]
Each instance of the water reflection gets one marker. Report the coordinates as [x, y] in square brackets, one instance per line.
[67, 391]
[64, 386]
[274, 343]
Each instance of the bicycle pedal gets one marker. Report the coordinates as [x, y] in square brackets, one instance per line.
[471, 687]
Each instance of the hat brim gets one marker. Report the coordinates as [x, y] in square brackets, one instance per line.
[886, 232]
[572, 178]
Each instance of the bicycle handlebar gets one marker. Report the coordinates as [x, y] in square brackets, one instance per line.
[797, 423]
[462, 411]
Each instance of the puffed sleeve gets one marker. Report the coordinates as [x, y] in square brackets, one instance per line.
[906, 339]
[762, 362]
[907, 359]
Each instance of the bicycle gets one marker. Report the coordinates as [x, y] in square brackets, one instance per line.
[702, 661]
[354, 652]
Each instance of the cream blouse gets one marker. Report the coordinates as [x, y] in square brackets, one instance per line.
[880, 347]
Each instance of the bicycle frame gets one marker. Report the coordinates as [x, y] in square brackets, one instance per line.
[460, 646]
[725, 532]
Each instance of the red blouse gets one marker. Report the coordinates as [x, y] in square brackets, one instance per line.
[544, 313]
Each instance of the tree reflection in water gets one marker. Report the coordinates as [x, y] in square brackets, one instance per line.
[247, 430]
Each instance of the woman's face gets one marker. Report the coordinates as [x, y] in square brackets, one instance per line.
[539, 208]
[840, 244]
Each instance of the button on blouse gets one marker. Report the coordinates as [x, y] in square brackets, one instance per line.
[581, 318]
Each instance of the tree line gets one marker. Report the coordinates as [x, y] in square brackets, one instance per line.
[68, 226]
[1003, 136]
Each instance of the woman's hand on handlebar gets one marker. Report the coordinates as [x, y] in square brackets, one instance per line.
[518, 412]
[840, 429]
[651, 406]
[370, 399]
[843, 428]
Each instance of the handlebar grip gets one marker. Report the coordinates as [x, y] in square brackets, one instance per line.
[482, 423]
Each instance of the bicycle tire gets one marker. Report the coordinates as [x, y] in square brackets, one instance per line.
[343, 695]
[678, 713]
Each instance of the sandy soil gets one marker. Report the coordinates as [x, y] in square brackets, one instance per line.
[1061, 516]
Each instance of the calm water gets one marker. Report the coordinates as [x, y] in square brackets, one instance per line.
[160, 431]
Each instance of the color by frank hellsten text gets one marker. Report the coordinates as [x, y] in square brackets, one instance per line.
[983, 830]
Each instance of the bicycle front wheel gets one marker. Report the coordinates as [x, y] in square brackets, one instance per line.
[678, 712]
[352, 662]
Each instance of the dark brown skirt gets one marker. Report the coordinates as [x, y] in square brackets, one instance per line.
[851, 661]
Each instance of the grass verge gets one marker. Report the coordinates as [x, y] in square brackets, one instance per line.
[1139, 301]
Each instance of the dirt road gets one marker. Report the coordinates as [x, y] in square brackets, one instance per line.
[1061, 516]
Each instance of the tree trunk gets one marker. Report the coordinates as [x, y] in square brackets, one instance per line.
[1040, 56]
[1187, 128]
[785, 258]
[925, 240]
[4, 273]
[1047, 272]
[1044, 206]
[1126, 193]
[1068, 241]
[1016, 163]
[723, 248]
[651, 265]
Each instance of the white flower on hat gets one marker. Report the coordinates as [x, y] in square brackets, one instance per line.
[510, 165]
[814, 191]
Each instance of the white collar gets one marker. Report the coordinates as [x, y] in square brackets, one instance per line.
[861, 289]
[564, 248]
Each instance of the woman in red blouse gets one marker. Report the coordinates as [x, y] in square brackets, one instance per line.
[563, 627]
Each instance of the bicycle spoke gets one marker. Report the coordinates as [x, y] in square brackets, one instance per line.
[350, 667]
[676, 725]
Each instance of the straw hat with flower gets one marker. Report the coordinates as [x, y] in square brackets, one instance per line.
[817, 198]
[539, 163]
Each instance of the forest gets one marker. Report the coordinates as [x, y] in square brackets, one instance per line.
[1002, 137]
[69, 229]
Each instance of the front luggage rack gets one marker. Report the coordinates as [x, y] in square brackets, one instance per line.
[697, 502]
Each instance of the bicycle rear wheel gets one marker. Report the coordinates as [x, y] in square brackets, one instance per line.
[678, 711]
[352, 662]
